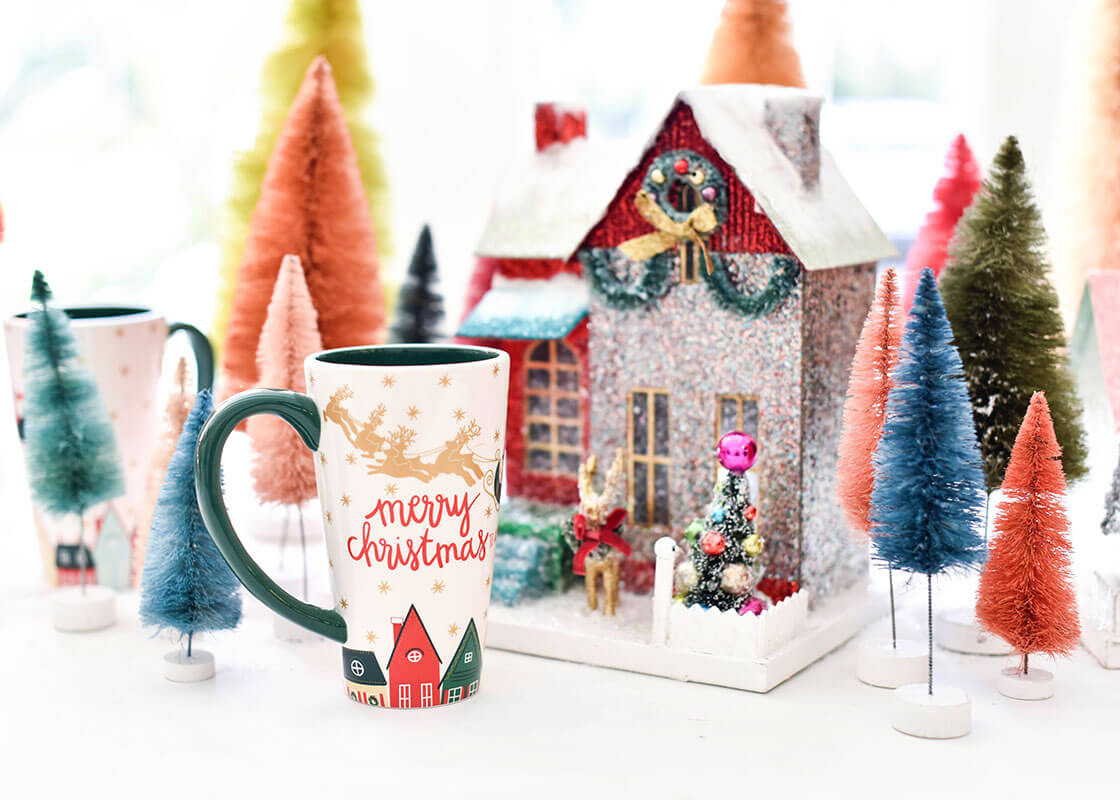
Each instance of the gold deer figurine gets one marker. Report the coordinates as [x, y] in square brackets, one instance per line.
[604, 562]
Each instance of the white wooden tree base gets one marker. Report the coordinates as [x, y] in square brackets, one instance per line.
[881, 664]
[560, 626]
[1035, 684]
[1104, 646]
[73, 610]
[946, 714]
[178, 667]
[958, 630]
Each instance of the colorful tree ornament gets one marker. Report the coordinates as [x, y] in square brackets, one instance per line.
[72, 458]
[419, 308]
[187, 584]
[312, 204]
[737, 452]
[928, 497]
[1005, 318]
[752, 44]
[951, 196]
[1026, 589]
[313, 28]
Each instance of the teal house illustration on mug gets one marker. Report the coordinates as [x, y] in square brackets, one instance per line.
[461, 678]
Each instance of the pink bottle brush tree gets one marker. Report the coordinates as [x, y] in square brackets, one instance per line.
[283, 470]
[951, 196]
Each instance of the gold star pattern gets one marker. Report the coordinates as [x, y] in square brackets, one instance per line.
[384, 587]
[452, 629]
[495, 371]
[343, 604]
[311, 379]
[330, 517]
[323, 459]
[391, 490]
[371, 637]
[345, 500]
[113, 416]
[488, 511]
[388, 381]
[351, 458]
[119, 331]
[438, 587]
[445, 381]
[330, 563]
[124, 371]
[459, 414]
[497, 434]
[487, 580]
[413, 412]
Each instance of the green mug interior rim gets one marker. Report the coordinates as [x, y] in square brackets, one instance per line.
[96, 312]
[405, 355]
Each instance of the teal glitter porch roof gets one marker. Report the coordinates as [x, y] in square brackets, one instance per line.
[528, 309]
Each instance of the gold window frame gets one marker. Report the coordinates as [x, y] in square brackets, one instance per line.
[553, 393]
[650, 459]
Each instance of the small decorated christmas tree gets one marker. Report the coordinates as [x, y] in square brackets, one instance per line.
[419, 309]
[312, 204]
[752, 44]
[928, 499]
[175, 413]
[951, 196]
[1005, 318]
[1111, 523]
[1026, 589]
[724, 561]
[187, 585]
[312, 28]
[283, 469]
[72, 458]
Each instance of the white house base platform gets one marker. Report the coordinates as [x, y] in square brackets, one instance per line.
[1104, 646]
[957, 630]
[561, 627]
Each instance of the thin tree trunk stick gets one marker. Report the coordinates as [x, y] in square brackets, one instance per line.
[190, 636]
[284, 533]
[303, 550]
[929, 606]
[81, 548]
[890, 584]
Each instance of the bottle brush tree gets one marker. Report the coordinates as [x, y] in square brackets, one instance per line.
[1026, 590]
[72, 457]
[283, 469]
[187, 585]
[419, 308]
[178, 407]
[951, 196]
[1111, 523]
[312, 204]
[928, 498]
[752, 44]
[865, 409]
[1005, 318]
[332, 29]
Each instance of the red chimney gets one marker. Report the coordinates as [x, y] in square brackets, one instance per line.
[397, 623]
[559, 124]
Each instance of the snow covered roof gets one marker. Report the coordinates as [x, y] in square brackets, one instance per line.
[547, 201]
[528, 308]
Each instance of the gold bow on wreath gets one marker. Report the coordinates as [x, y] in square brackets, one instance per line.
[669, 232]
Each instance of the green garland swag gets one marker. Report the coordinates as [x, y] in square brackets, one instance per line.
[643, 293]
[784, 275]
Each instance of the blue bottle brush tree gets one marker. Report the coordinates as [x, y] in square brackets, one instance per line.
[927, 504]
[72, 458]
[187, 585]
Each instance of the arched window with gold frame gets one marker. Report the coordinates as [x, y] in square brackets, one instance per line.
[686, 197]
[553, 434]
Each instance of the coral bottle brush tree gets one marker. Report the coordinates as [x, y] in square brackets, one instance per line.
[312, 204]
[1005, 318]
[1026, 589]
[752, 44]
[928, 497]
[72, 458]
[187, 585]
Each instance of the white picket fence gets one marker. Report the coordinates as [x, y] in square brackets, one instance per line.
[724, 633]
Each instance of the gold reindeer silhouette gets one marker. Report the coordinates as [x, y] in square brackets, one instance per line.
[364, 437]
[399, 465]
[453, 461]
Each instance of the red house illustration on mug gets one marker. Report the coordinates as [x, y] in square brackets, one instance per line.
[413, 665]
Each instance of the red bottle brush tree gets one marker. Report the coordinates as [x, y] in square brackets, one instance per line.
[312, 204]
[283, 469]
[951, 196]
[752, 44]
[1026, 589]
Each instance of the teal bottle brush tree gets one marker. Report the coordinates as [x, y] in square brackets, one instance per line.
[187, 585]
[927, 503]
[72, 458]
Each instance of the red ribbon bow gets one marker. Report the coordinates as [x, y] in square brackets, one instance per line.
[593, 537]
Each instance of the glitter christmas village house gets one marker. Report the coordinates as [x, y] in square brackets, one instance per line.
[719, 284]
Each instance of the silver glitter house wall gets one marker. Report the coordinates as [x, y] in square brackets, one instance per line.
[729, 278]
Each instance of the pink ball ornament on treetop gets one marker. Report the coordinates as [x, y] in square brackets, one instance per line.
[737, 451]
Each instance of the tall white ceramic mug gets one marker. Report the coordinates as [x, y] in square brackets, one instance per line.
[123, 347]
[408, 445]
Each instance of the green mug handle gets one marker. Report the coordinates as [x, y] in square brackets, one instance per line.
[203, 352]
[299, 411]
